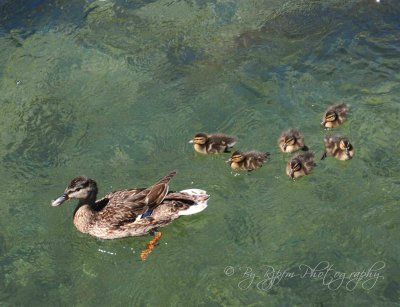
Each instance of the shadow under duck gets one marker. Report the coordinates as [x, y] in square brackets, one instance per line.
[338, 147]
[335, 115]
[247, 161]
[292, 140]
[130, 212]
[300, 165]
[213, 143]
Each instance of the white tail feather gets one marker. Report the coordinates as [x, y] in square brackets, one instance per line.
[201, 199]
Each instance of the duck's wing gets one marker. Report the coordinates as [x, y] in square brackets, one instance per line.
[125, 206]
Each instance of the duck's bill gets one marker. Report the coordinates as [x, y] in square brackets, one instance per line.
[59, 201]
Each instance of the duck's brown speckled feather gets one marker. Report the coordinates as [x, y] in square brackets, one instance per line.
[126, 205]
[119, 214]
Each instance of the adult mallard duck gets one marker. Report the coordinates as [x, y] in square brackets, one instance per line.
[338, 147]
[247, 161]
[300, 165]
[335, 115]
[213, 143]
[292, 140]
[131, 212]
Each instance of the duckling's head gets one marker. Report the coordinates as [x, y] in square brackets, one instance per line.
[82, 188]
[199, 138]
[345, 145]
[294, 166]
[329, 116]
[236, 157]
[288, 141]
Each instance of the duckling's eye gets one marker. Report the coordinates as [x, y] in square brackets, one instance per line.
[344, 144]
[296, 167]
[289, 141]
[199, 140]
[330, 116]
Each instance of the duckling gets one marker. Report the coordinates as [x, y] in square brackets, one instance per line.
[130, 212]
[335, 115]
[247, 161]
[292, 140]
[213, 143]
[300, 165]
[338, 147]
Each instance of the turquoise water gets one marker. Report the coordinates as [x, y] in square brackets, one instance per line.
[115, 89]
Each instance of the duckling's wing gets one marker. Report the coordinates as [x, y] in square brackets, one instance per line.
[341, 108]
[258, 156]
[309, 161]
[298, 135]
[222, 139]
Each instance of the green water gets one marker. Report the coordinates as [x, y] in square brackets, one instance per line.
[115, 89]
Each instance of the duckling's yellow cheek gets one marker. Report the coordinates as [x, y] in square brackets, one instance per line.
[298, 174]
[291, 148]
[235, 166]
[200, 148]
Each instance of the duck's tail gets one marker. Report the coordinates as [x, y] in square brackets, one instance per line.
[200, 198]
[167, 178]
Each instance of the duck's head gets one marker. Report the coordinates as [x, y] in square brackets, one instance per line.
[199, 139]
[82, 188]
[236, 157]
[295, 165]
[288, 141]
[345, 145]
[329, 116]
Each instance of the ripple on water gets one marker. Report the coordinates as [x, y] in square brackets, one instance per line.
[120, 93]
[37, 131]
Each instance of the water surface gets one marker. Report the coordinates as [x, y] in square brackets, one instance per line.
[115, 89]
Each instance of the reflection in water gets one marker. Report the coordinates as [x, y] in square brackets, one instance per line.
[115, 89]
